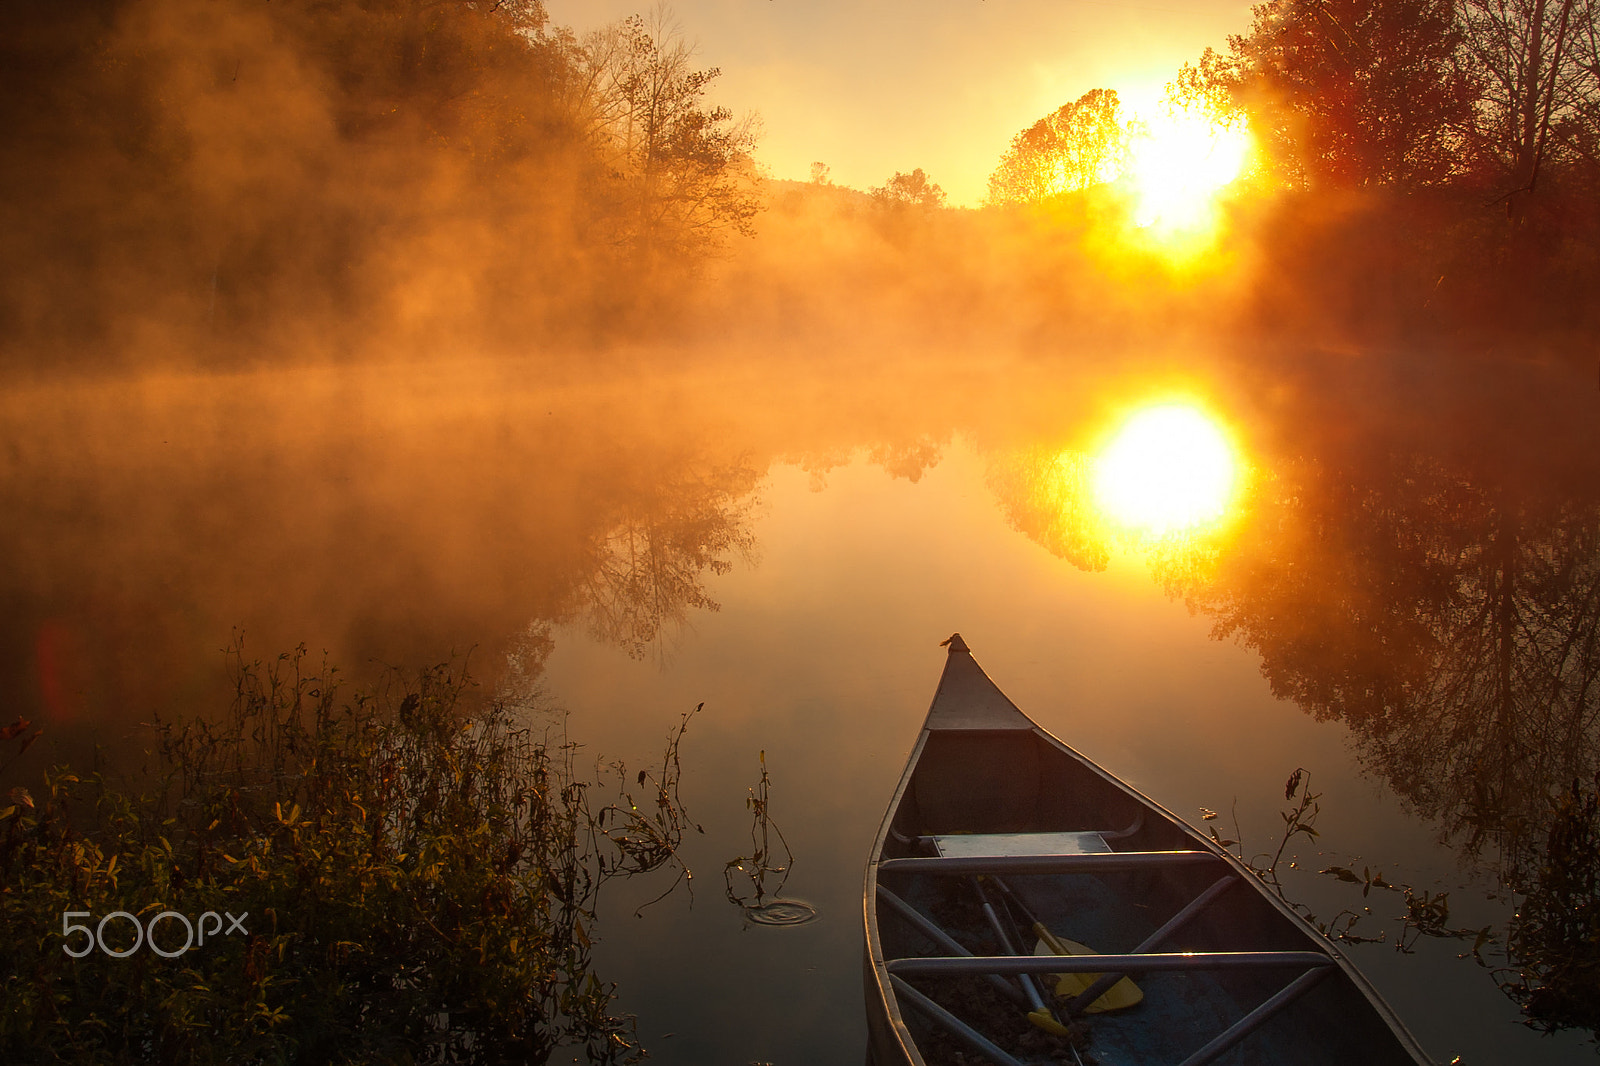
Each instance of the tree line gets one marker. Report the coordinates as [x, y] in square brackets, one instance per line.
[1432, 165]
[1503, 95]
[306, 178]
[227, 180]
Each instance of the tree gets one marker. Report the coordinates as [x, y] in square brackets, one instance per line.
[259, 177]
[683, 167]
[1078, 145]
[1348, 93]
[909, 190]
[1539, 63]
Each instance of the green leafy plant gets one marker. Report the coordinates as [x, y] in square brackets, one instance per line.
[417, 884]
[1299, 820]
[647, 838]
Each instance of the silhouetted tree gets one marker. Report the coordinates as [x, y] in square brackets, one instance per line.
[1078, 145]
[1348, 92]
[909, 190]
[1539, 65]
[219, 176]
[681, 166]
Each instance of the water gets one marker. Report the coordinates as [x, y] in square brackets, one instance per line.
[788, 548]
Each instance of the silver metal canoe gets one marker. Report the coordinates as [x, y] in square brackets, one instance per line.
[1220, 969]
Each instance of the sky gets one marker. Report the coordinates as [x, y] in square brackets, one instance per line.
[871, 87]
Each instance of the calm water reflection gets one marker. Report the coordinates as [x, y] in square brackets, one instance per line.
[789, 549]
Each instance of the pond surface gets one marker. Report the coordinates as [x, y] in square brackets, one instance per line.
[1403, 600]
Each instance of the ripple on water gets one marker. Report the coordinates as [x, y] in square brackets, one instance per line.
[782, 912]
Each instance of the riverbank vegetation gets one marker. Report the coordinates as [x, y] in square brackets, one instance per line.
[402, 880]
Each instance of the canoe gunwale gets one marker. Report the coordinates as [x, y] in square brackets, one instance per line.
[968, 866]
[1143, 962]
[877, 968]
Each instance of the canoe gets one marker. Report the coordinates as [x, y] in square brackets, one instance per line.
[1000, 838]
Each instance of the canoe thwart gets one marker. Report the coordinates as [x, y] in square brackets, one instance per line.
[920, 922]
[1177, 921]
[974, 1039]
[966, 865]
[949, 966]
[1256, 1018]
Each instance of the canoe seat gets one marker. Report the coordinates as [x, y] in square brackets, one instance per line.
[992, 845]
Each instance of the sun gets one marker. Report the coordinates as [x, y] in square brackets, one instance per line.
[1179, 163]
[1169, 469]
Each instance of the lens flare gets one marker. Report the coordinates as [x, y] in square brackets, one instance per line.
[1170, 469]
[1180, 162]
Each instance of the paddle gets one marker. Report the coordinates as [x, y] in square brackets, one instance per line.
[1121, 995]
[1041, 1015]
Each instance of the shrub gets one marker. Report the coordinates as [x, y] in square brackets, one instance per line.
[412, 883]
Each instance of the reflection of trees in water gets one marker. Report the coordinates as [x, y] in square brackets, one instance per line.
[1044, 493]
[433, 515]
[1556, 937]
[1047, 494]
[1511, 706]
[648, 568]
[1454, 625]
[909, 459]
[526, 655]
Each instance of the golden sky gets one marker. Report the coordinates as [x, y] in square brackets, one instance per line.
[875, 86]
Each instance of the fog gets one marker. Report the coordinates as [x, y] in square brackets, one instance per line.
[443, 296]
[228, 185]
[414, 332]
[390, 328]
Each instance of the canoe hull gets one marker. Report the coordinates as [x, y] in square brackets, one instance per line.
[979, 766]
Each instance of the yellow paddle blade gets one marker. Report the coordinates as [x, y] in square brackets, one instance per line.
[1119, 996]
[1042, 1020]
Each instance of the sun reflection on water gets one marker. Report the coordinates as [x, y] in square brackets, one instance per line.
[1170, 469]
